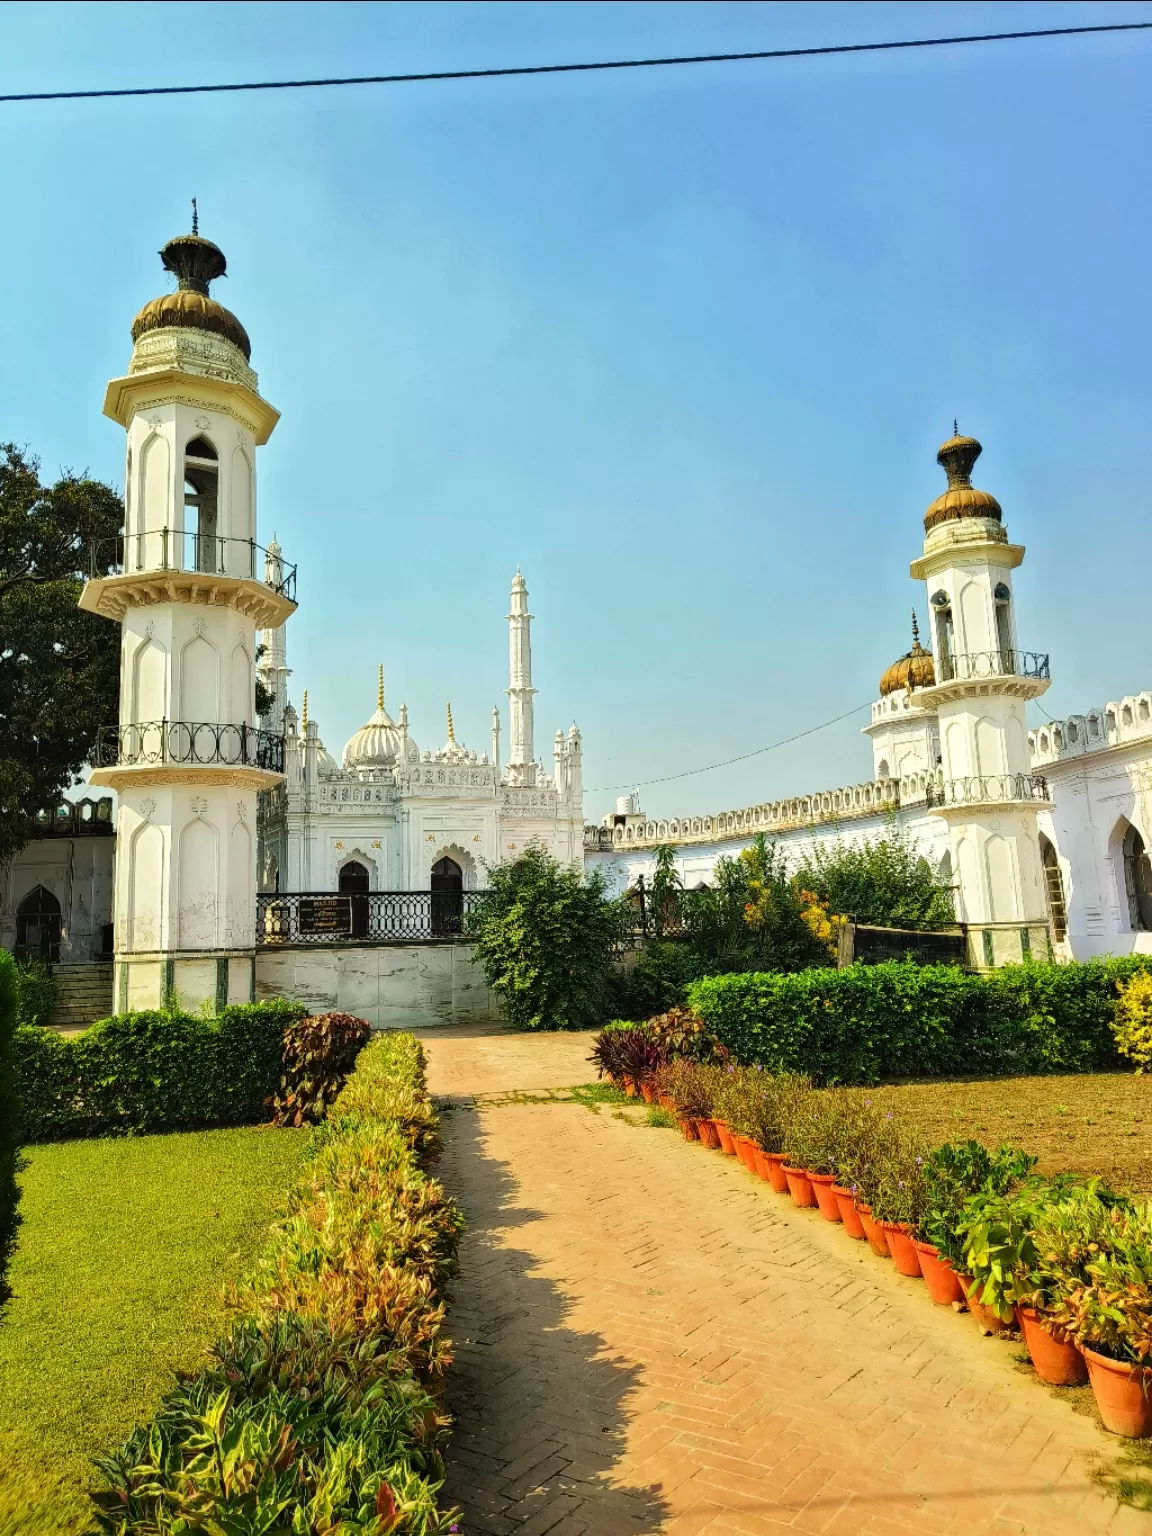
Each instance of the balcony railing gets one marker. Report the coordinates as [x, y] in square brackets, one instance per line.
[177, 741]
[171, 549]
[330, 917]
[971, 666]
[992, 788]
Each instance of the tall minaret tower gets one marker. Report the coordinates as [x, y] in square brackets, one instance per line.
[989, 795]
[521, 764]
[272, 668]
[186, 758]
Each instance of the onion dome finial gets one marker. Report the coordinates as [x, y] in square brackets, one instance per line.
[957, 457]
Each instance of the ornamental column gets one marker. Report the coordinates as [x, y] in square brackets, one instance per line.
[521, 755]
[989, 795]
[190, 589]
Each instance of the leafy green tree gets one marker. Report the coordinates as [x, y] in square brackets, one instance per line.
[59, 667]
[544, 934]
[748, 919]
[884, 880]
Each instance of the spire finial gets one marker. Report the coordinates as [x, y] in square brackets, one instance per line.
[195, 218]
[451, 727]
[380, 688]
[915, 631]
[304, 715]
[955, 426]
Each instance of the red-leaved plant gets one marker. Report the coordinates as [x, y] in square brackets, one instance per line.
[319, 1053]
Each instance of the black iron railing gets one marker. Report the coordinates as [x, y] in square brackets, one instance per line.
[993, 787]
[330, 917]
[178, 741]
[171, 549]
[971, 666]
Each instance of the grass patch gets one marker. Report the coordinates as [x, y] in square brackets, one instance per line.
[123, 1253]
[660, 1117]
[1095, 1122]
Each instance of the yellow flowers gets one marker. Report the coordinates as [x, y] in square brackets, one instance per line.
[1132, 1024]
[823, 925]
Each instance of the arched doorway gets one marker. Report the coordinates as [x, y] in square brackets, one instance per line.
[447, 898]
[1054, 889]
[1137, 881]
[38, 925]
[354, 884]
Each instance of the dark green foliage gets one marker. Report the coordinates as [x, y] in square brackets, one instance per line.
[749, 920]
[874, 1023]
[883, 881]
[658, 980]
[9, 1121]
[152, 1071]
[318, 1054]
[953, 1174]
[544, 936]
[35, 990]
[59, 666]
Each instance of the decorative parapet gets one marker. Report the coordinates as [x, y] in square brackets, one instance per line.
[855, 802]
[1112, 725]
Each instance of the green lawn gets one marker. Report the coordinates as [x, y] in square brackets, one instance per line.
[118, 1274]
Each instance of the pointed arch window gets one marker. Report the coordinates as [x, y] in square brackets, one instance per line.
[1137, 881]
[945, 635]
[201, 503]
[1054, 890]
[38, 924]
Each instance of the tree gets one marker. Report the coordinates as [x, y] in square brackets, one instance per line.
[749, 920]
[544, 934]
[886, 881]
[59, 667]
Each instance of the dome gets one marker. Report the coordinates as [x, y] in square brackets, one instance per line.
[915, 669]
[380, 742]
[956, 457]
[196, 262]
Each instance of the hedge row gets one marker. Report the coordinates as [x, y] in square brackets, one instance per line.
[317, 1412]
[152, 1071]
[9, 1151]
[873, 1023]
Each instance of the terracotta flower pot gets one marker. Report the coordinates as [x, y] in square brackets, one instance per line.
[877, 1237]
[1057, 1359]
[647, 1092]
[725, 1135]
[666, 1103]
[689, 1128]
[825, 1195]
[799, 1186]
[849, 1215]
[708, 1134]
[983, 1316]
[774, 1171]
[746, 1152]
[1123, 1394]
[904, 1256]
[629, 1086]
[939, 1276]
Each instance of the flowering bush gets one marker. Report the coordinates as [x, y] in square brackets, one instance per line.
[1132, 1025]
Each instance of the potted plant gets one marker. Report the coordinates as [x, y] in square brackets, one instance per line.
[1064, 1229]
[1000, 1250]
[953, 1173]
[774, 1101]
[859, 1169]
[733, 1111]
[899, 1194]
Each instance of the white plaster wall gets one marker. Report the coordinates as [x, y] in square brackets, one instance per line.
[78, 872]
[393, 986]
[154, 478]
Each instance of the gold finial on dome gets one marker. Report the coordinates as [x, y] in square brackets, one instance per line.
[451, 727]
[304, 715]
[195, 263]
[956, 457]
[380, 688]
[915, 669]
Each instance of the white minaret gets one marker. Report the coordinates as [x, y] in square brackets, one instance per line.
[186, 758]
[496, 741]
[575, 773]
[272, 668]
[521, 763]
[988, 795]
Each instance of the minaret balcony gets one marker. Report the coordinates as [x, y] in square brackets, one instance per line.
[998, 789]
[970, 674]
[187, 752]
[171, 565]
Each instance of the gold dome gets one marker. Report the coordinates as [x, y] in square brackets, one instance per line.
[956, 457]
[195, 263]
[915, 669]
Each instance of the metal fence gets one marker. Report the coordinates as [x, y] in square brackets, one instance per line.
[970, 666]
[330, 917]
[866, 944]
[992, 788]
[178, 741]
[173, 549]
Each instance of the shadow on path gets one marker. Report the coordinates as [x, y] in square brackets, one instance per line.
[539, 1407]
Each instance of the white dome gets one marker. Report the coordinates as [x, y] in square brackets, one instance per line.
[380, 742]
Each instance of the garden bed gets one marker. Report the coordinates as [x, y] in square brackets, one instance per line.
[124, 1249]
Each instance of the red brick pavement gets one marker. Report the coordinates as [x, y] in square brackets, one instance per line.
[648, 1339]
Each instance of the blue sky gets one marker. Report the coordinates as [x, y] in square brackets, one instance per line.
[680, 343]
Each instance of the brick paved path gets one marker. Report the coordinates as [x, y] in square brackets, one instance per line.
[648, 1339]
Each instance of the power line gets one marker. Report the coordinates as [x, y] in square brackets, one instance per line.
[570, 69]
[743, 758]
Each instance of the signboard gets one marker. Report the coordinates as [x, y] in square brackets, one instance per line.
[325, 915]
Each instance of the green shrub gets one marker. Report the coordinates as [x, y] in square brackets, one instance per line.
[867, 1024]
[544, 935]
[9, 1121]
[152, 1071]
[659, 980]
[36, 991]
[318, 1413]
[1132, 1024]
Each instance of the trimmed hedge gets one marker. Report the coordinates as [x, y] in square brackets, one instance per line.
[873, 1023]
[9, 1120]
[152, 1071]
[321, 1398]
